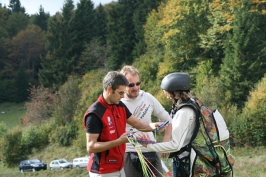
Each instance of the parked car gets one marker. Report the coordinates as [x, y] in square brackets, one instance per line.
[60, 164]
[31, 165]
[80, 162]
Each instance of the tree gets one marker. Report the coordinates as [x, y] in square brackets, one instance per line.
[27, 47]
[41, 19]
[120, 33]
[40, 107]
[61, 59]
[3, 38]
[15, 23]
[244, 61]
[22, 85]
[144, 7]
[69, 95]
[93, 57]
[83, 29]
[15, 6]
[100, 25]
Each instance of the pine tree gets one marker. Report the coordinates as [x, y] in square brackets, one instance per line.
[60, 60]
[244, 61]
[41, 19]
[15, 6]
[100, 24]
[144, 7]
[120, 30]
[21, 84]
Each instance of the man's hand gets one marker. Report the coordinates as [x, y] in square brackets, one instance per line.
[123, 138]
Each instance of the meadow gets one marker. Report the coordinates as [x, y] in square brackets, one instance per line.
[249, 161]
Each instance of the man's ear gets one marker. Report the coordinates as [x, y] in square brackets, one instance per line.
[109, 89]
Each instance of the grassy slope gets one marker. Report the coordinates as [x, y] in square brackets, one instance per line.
[10, 113]
[249, 161]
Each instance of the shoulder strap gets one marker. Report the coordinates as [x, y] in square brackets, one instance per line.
[194, 106]
[195, 132]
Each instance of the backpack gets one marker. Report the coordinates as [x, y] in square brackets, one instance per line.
[209, 147]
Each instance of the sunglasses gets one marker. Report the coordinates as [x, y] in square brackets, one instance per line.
[133, 84]
[121, 93]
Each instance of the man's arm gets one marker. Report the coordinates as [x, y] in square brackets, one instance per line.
[93, 146]
[142, 126]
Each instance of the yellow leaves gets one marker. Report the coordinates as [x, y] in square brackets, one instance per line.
[225, 28]
[168, 35]
[257, 97]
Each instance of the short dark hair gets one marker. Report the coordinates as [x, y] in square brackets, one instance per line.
[114, 79]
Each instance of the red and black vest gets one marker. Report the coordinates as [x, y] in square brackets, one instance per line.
[114, 119]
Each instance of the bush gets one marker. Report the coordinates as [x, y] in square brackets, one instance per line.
[35, 137]
[64, 135]
[8, 91]
[69, 95]
[41, 106]
[11, 150]
[250, 126]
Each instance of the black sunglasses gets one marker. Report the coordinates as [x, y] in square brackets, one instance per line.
[133, 84]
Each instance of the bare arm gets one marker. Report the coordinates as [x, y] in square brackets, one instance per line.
[142, 126]
[94, 146]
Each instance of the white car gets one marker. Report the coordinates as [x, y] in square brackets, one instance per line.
[80, 162]
[60, 164]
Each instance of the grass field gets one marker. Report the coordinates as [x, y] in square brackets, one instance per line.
[10, 113]
[249, 161]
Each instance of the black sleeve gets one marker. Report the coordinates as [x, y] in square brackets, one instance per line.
[128, 113]
[93, 124]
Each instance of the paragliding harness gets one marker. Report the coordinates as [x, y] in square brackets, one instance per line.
[208, 152]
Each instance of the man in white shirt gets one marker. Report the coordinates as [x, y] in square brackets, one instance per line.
[143, 105]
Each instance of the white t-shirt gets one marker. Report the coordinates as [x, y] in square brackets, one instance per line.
[183, 125]
[143, 107]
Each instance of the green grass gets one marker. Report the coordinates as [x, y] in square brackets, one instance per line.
[11, 113]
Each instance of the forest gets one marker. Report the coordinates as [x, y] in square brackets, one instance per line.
[55, 64]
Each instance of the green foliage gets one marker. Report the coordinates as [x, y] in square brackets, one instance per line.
[64, 135]
[61, 59]
[80, 141]
[244, 54]
[69, 95]
[3, 129]
[41, 19]
[207, 86]
[250, 127]
[16, 22]
[139, 19]
[91, 87]
[120, 33]
[15, 6]
[26, 48]
[11, 150]
[93, 57]
[35, 137]
[22, 85]
[100, 25]
[7, 91]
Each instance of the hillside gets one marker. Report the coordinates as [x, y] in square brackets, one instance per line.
[10, 113]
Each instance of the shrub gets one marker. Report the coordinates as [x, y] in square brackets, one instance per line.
[64, 135]
[69, 95]
[35, 137]
[11, 149]
[250, 126]
[41, 106]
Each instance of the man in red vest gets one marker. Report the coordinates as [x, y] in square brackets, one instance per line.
[105, 123]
